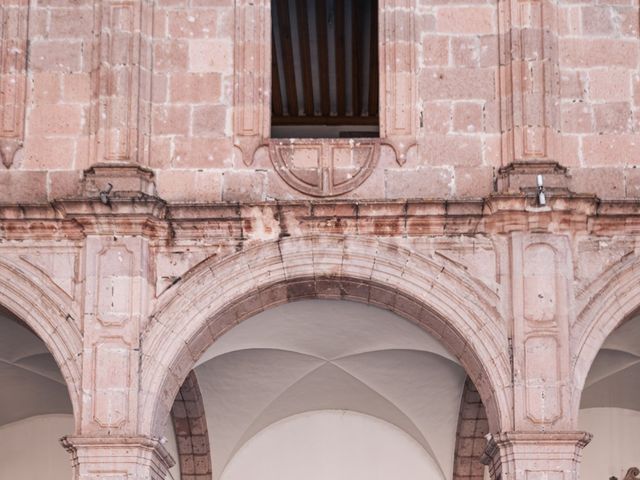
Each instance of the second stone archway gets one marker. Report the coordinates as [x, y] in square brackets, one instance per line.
[215, 296]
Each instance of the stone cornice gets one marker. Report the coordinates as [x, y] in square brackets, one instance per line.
[150, 216]
[529, 444]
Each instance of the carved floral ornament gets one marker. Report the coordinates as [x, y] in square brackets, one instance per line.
[324, 167]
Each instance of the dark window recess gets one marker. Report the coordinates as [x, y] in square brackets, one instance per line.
[324, 68]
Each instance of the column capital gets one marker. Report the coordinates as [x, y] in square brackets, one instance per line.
[529, 455]
[538, 439]
[139, 457]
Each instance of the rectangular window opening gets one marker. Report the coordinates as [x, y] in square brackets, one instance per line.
[324, 80]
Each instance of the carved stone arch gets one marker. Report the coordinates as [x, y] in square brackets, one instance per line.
[217, 295]
[35, 300]
[607, 303]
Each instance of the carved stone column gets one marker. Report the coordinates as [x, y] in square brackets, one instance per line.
[116, 272]
[535, 456]
[117, 458]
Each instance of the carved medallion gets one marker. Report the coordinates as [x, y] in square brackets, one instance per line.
[324, 168]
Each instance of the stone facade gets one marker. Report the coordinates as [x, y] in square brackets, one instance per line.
[144, 211]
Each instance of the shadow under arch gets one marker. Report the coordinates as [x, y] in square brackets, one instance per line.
[608, 302]
[33, 299]
[216, 295]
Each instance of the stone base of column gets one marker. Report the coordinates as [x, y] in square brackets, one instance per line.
[535, 455]
[118, 458]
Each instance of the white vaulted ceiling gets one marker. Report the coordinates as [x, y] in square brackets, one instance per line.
[319, 355]
[31, 382]
[611, 405]
[614, 378]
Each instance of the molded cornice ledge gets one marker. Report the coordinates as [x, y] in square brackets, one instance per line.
[152, 217]
[139, 457]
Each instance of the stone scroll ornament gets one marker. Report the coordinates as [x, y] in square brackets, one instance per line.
[13, 76]
[632, 474]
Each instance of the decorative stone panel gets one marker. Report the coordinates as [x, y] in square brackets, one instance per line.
[111, 370]
[116, 269]
[540, 290]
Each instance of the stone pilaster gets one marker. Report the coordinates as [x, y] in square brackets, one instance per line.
[529, 93]
[535, 455]
[118, 458]
[528, 89]
[13, 76]
[116, 270]
[121, 77]
[541, 303]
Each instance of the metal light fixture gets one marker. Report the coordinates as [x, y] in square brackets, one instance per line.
[542, 199]
[104, 195]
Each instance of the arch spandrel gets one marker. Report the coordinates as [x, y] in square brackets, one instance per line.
[608, 302]
[35, 301]
[216, 295]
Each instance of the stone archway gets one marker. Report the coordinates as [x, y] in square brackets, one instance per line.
[215, 296]
[34, 301]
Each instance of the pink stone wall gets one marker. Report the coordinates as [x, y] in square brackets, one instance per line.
[128, 284]
[476, 109]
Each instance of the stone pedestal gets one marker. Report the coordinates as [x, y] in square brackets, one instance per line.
[535, 455]
[118, 458]
[521, 177]
[118, 179]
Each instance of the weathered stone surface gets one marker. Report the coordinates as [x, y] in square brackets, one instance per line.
[168, 102]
